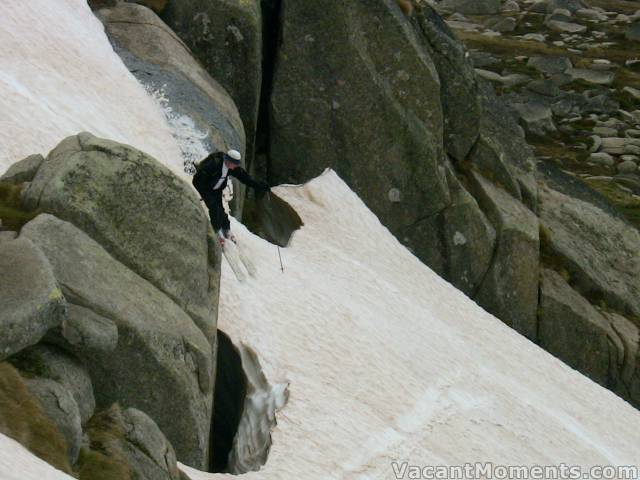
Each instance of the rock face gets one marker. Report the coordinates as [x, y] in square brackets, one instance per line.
[339, 63]
[140, 212]
[459, 88]
[226, 37]
[32, 302]
[510, 288]
[164, 64]
[573, 330]
[599, 251]
[169, 352]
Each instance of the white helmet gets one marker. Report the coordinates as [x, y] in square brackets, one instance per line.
[234, 154]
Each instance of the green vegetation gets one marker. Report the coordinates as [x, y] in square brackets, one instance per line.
[23, 419]
[12, 213]
[626, 203]
[104, 460]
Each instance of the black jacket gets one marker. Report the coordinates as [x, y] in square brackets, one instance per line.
[209, 171]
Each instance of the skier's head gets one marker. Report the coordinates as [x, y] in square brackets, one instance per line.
[232, 158]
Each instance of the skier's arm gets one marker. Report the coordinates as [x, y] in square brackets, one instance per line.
[241, 174]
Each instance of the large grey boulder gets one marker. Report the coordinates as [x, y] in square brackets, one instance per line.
[510, 287]
[162, 363]
[535, 117]
[60, 406]
[32, 302]
[599, 250]
[459, 88]
[356, 90]
[550, 64]
[23, 170]
[140, 212]
[574, 331]
[226, 37]
[163, 63]
[46, 361]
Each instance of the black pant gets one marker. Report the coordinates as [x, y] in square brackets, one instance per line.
[219, 219]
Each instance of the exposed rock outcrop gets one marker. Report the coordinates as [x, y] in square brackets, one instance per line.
[169, 352]
[141, 213]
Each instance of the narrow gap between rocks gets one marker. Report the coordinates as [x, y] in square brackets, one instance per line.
[228, 403]
[244, 410]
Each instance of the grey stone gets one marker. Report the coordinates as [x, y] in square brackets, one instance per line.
[592, 15]
[601, 104]
[140, 212]
[32, 302]
[627, 166]
[536, 118]
[544, 87]
[24, 170]
[510, 287]
[601, 158]
[572, 330]
[591, 76]
[157, 341]
[149, 453]
[510, 6]
[599, 250]
[8, 235]
[570, 27]
[614, 145]
[87, 332]
[630, 158]
[550, 64]
[596, 143]
[47, 361]
[226, 37]
[605, 131]
[510, 80]
[628, 359]
[503, 25]
[61, 408]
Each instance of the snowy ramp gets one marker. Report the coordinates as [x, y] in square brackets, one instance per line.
[386, 362]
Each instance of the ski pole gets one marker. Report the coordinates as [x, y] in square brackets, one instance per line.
[280, 257]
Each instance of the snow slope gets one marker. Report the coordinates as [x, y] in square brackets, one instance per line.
[386, 361]
[59, 75]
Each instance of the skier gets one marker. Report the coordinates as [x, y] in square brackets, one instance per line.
[211, 179]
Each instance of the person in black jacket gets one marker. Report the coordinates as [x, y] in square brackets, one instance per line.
[210, 180]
